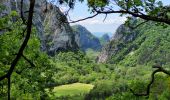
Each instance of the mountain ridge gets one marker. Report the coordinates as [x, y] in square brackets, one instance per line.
[87, 39]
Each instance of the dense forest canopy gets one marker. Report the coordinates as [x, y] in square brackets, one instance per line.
[28, 72]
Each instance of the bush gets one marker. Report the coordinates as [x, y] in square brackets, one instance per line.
[102, 89]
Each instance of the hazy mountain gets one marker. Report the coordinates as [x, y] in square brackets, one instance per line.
[87, 39]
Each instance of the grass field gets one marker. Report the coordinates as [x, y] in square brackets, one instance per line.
[72, 89]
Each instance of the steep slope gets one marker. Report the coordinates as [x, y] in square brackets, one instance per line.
[148, 44]
[123, 35]
[87, 40]
[54, 33]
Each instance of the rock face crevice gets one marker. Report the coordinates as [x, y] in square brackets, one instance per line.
[55, 34]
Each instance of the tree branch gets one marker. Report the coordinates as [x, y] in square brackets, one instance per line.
[159, 69]
[126, 11]
[143, 16]
[105, 18]
[29, 61]
[19, 54]
[84, 18]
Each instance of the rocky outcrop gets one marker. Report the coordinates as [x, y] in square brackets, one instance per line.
[87, 39]
[58, 33]
[123, 35]
[55, 34]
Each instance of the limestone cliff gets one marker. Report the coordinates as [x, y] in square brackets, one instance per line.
[55, 34]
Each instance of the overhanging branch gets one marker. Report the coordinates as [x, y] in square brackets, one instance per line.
[84, 18]
[159, 69]
[143, 16]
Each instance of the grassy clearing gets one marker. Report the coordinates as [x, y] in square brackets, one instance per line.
[72, 89]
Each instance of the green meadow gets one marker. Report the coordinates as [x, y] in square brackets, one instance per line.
[75, 90]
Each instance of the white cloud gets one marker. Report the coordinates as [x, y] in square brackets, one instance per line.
[96, 24]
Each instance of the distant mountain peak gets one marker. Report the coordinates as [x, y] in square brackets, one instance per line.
[87, 39]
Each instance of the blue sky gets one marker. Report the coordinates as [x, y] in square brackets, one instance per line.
[96, 24]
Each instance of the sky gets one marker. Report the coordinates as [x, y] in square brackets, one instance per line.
[97, 24]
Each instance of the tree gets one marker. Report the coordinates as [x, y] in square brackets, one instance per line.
[20, 52]
[101, 90]
[33, 71]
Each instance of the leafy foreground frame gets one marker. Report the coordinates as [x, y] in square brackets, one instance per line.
[126, 7]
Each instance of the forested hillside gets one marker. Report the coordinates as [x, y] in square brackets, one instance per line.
[145, 45]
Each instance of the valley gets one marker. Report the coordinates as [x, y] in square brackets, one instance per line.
[68, 62]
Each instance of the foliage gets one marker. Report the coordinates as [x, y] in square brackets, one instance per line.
[28, 81]
[91, 54]
[102, 89]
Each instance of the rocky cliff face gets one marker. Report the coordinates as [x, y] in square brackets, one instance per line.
[55, 34]
[87, 40]
[123, 35]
